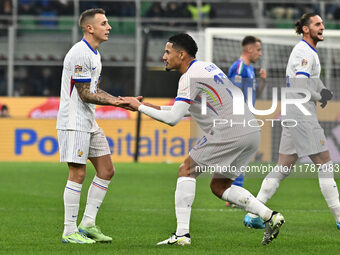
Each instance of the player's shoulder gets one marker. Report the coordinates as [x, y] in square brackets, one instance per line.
[79, 49]
[304, 48]
[203, 67]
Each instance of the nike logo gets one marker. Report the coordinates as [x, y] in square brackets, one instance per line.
[94, 68]
[174, 242]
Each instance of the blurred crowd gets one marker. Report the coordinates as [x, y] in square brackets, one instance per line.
[163, 9]
[292, 11]
[160, 9]
[55, 8]
[45, 81]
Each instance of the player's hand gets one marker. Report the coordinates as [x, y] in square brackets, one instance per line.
[326, 95]
[131, 102]
[152, 105]
[263, 73]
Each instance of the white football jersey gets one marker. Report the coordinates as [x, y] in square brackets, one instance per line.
[303, 63]
[81, 64]
[206, 79]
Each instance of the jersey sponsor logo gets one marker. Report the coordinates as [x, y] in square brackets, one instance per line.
[304, 62]
[78, 69]
[238, 79]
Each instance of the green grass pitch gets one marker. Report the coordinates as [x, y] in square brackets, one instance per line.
[138, 211]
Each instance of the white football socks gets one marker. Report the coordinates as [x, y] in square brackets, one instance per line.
[184, 197]
[95, 197]
[329, 188]
[71, 206]
[244, 199]
[271, 183]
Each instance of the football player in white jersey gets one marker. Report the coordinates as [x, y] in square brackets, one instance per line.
[307, 138]
[79, 136]
[230, 145]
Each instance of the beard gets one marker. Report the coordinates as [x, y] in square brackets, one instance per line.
[316, 38]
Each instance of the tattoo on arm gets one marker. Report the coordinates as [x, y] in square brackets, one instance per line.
[100, 98]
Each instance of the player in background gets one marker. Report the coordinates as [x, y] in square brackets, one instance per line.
[307, 138]
[224, 145]
[242, 74]
[79, 136]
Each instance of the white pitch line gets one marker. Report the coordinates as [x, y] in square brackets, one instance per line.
[222, 210]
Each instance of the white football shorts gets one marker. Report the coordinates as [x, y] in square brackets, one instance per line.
[305, 139]
[77, 146]
[229, 158]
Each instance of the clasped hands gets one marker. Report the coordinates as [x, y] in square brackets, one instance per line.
[132, 103]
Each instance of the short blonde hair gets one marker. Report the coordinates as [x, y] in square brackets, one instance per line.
[86, 15]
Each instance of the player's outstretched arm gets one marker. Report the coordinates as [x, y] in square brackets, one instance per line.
[170, 117]
[153, 106]
[101, 98]
[165, 108]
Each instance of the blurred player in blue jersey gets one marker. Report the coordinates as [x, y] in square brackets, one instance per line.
[242, 74]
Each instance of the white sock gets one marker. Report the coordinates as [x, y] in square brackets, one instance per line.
[244, 199]
[184, 197]
[271, 183]
[95, 197]
[71, 205]
[329, 188]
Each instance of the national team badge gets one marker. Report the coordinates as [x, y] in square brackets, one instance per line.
[238, 78]
[304, 62]
[80, 153]
[78, 69]
[322, 142]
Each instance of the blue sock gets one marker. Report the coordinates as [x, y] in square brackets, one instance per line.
[239, 181]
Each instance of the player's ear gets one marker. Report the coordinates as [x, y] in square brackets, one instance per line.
[89, 28]
[182, 54]
[305, 29]
[250, 48]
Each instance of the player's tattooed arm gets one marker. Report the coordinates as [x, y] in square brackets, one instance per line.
[102, 92]
[100, 98]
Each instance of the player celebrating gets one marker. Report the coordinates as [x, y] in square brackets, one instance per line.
[223, 145]
[307, 138]
[242, 74]
[79, 136]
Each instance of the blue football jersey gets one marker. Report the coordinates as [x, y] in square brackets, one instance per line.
[243, 76]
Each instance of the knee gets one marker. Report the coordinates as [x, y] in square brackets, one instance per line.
[214, 189]
[218, 186]
[77, 176]
[109, 173]
[183, 171]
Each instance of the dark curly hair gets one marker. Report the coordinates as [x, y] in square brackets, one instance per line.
[184, 42]
[303, 21]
